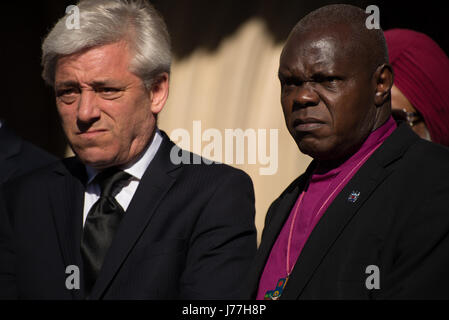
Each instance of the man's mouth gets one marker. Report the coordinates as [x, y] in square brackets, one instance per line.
[307, 124]
[91, 133]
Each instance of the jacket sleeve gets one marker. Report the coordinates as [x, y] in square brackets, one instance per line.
[420, 269]
[224, 242]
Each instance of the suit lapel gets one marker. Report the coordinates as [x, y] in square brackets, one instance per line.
[341, 211]
[67, 200]
[279, 213]
[156, 182]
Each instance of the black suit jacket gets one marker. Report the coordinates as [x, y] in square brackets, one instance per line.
[18, 156]
[188, 233]
[399, 223]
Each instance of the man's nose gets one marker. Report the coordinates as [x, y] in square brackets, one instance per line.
[305, 96]
[88, 110]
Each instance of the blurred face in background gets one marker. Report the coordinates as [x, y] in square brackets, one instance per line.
[107, 114]
[403, 110]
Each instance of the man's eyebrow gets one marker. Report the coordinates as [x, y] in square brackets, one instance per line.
[102, 83]
[66, 84]
[321, 74]
[93, 84]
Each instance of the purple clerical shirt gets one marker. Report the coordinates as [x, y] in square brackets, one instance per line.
[325, 184]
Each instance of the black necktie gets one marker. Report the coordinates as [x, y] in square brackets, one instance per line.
[101, 223]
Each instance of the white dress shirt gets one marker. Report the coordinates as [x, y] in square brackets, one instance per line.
[124, 194]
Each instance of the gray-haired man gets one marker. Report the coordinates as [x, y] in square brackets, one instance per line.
[121, 220]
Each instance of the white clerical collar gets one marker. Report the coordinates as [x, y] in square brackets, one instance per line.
[137, 168]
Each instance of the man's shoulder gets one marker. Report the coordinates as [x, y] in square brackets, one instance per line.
[427, 158]
[206, 168]
[193, 164]
[430, 152]
[37, 178]
[38, 156]
[22, 156]
[412, 152]
[424, 171]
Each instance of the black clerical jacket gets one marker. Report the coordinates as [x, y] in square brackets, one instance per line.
[391, 243]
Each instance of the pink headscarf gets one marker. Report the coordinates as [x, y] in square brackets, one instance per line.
[422, 74]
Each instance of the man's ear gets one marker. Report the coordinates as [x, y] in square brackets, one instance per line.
[159, 92]
[383, 78]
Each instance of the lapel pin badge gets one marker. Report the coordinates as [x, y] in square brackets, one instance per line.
[353, 196]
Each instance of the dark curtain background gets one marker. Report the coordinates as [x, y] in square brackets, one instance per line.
[28, 105]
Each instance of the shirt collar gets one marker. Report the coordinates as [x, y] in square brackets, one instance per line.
[137, 168]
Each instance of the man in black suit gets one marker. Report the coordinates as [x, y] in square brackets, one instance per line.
[124, 219]
[369, 219]
[17, 156]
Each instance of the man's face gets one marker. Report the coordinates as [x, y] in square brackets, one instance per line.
[105, 109]
[327, 95]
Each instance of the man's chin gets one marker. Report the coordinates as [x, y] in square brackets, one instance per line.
[97, 160]
[328, 154]
[315, 149]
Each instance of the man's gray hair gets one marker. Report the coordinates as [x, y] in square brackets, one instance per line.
[107, 21]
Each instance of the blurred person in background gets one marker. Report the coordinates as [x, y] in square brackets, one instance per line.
[17, 156]
[420, 94]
